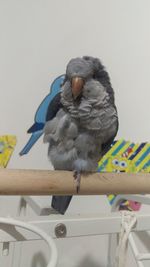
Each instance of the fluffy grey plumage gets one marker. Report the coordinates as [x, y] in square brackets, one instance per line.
[85, 123]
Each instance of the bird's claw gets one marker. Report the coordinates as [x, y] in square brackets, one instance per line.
[77, 177]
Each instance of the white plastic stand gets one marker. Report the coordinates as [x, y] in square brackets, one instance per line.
[113, 238]
[55, 225]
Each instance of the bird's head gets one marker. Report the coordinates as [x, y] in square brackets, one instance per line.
[78, 72]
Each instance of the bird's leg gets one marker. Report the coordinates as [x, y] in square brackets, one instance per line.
[77, 177]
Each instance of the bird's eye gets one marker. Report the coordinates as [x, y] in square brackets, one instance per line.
[115, 162]
[123, 164]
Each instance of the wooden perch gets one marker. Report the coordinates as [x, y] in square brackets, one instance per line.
[44, 182]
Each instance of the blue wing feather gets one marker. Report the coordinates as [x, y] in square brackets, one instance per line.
[40, 115]
[36, 127]
[33, 139]
[45, 111]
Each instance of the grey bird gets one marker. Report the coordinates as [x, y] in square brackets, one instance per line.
[82, 121]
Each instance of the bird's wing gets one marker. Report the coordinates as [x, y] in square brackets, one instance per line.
[54, 106]
[36, 127]
[40, 115]
[59, 203]
[106, 146]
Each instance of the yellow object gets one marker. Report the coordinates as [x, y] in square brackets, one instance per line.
[119, 164]
[126, 156]
[7, 145]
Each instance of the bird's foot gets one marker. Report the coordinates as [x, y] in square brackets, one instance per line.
[77, 177]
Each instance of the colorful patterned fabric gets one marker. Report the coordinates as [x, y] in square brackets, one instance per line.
[7, 145]
[125, 156]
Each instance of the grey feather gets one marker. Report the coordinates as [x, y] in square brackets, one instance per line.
[80, 129]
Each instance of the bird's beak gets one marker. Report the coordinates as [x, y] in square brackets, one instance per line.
[77, 86]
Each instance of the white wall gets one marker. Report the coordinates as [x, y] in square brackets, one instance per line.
[37, 38]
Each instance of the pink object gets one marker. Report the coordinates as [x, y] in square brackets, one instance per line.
[135, 206]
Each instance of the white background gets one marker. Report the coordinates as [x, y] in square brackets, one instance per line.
[37, 39]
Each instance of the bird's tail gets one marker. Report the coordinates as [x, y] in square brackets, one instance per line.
[61, 203]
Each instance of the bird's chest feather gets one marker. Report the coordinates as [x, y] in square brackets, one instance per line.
[90, 111]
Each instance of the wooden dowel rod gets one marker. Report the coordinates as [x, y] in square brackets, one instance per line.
[44, 182]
